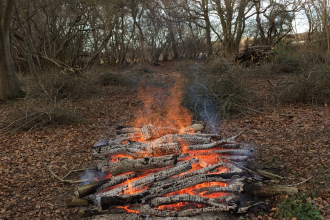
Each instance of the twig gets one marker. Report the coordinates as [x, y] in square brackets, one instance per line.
[62, 179]
[239, 133]
[297, 184]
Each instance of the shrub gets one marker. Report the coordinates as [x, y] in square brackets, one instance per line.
[219, 66]
[299, 207]
[211, 96]
[36, 115]
[60, 87]
[114, 78]
[309, 88]
[70, 87]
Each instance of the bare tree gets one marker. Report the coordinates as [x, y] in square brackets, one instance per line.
[9, 86]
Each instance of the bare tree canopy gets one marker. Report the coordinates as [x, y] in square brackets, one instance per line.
[77, 34]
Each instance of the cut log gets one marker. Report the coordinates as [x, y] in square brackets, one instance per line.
[76, 202]
[125, 199]
[182, 198]
[126, 165]
[91, 188]
[184, 183]
[190, 212]
[115, 181]
[221, 143]
[182, 139]
[138, 150]
[115, 199]
[189, 174]
[104, 166]
[257, 189]
[268, 190]
[151, 132]
[179, 168]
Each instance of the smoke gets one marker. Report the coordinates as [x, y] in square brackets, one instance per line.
[203, 101]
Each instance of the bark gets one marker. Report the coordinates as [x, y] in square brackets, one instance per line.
[219, 144]
[257, 189]
[268, 190]
[187, 182]
[190, 212]
[182, 139]
[138, 150]
[182, 198]
[126, 165]
[115, 181]
[91, 188]
[150, 131]
[9, 86]
[102, 184]
[75, 202]
[189, 174]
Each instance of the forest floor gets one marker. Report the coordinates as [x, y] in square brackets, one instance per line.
[290, 140]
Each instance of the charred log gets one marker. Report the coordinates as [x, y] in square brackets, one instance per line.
[182, 139]
[181, 167]
[233, 158]
[126, 165]
[189, 174]
[108, 201]
[190, 212]
[182, 198]
[116, 180]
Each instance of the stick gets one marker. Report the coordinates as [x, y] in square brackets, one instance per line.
[297, 184]
[62, 179]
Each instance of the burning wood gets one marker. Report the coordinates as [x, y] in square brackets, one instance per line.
[201, 179]
[182, 167]
[190, 212]
[126, 165]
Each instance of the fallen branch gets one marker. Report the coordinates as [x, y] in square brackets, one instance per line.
[67, 181]
[297, 184]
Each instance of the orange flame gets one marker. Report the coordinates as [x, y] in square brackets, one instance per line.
[162, 106]
[129, 187]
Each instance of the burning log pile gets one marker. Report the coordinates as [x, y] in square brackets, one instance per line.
[253, 55]
[169, 172]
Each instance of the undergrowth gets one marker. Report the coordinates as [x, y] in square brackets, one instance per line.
[299, 206]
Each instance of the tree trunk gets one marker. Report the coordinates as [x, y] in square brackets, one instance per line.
[9, 86]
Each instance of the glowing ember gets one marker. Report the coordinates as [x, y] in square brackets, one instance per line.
[181, 206]
[190, 190]
[128, 210]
